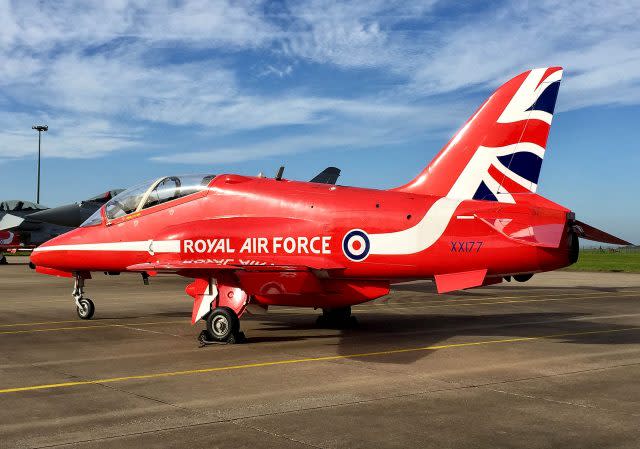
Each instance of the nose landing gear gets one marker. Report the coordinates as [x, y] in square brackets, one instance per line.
[85, 309]
[84, 306]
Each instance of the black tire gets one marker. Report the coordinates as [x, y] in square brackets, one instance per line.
[523, 277]
[86, 309]
[223, 325]
[339, 314]
[336, 318]
[3, 260]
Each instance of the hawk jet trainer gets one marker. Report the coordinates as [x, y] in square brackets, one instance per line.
[471, 218]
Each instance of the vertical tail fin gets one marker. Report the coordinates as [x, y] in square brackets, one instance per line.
[499, 150]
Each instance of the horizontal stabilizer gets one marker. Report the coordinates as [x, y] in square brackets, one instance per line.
[588, 232]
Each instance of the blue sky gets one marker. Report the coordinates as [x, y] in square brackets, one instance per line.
[133, 90]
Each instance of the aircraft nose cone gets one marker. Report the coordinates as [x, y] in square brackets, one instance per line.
[42, 256]
[39, 258]
[36, 259]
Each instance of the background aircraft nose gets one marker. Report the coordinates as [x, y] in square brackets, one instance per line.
[67, 215]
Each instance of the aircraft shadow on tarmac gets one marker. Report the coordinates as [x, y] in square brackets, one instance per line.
[380, 332]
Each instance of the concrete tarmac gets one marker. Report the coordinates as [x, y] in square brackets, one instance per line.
[554, 362]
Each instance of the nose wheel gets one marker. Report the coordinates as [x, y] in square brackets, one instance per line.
[86, 309]
[84, 306]
[223, 326]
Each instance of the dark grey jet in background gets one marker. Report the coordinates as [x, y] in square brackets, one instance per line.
[25, 225]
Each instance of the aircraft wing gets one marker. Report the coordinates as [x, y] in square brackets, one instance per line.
[327, 176]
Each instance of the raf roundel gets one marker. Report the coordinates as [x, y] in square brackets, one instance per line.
[356, 245]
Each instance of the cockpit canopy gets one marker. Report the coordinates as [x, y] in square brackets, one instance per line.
[149, 194]
[20, 206]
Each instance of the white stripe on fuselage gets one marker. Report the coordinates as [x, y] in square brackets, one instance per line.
[157, 246]
[419, 237]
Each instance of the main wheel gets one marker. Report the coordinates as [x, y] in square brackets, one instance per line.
[3, 260]
[523, 277]
[340, 314]
[223, 325]
[86, 309]
[339, 317]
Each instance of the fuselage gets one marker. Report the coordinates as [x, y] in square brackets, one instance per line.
[368, 233]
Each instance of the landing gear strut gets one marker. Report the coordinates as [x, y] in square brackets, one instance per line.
[223, 326]
[339, 317]
[84, 306]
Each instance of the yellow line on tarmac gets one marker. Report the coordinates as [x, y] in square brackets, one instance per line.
[391, 303]
[305, 360]
[477, 303]
[95, 326]
[42, 322]
[383, 306]
[38, 323]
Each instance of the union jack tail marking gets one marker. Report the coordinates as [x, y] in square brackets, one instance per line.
[499, 151]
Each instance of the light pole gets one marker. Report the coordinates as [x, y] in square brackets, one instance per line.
[39, 128]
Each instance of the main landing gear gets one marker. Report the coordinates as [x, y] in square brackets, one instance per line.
[220, 303]
[84, 306]
[339, 317]
[223, 327]
[3, 260]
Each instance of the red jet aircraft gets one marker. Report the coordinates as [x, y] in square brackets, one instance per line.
[470, 218]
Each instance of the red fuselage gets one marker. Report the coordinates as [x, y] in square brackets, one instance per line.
[257, 220]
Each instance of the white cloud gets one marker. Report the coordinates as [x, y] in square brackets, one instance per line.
[43, 25]
[279, 72]
[68, 138]
[480, 49]
[338, 139]
[108, 74]
[350, 33]
[365, 125]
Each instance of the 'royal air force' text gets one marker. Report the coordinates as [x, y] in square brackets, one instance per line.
[260, 245]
